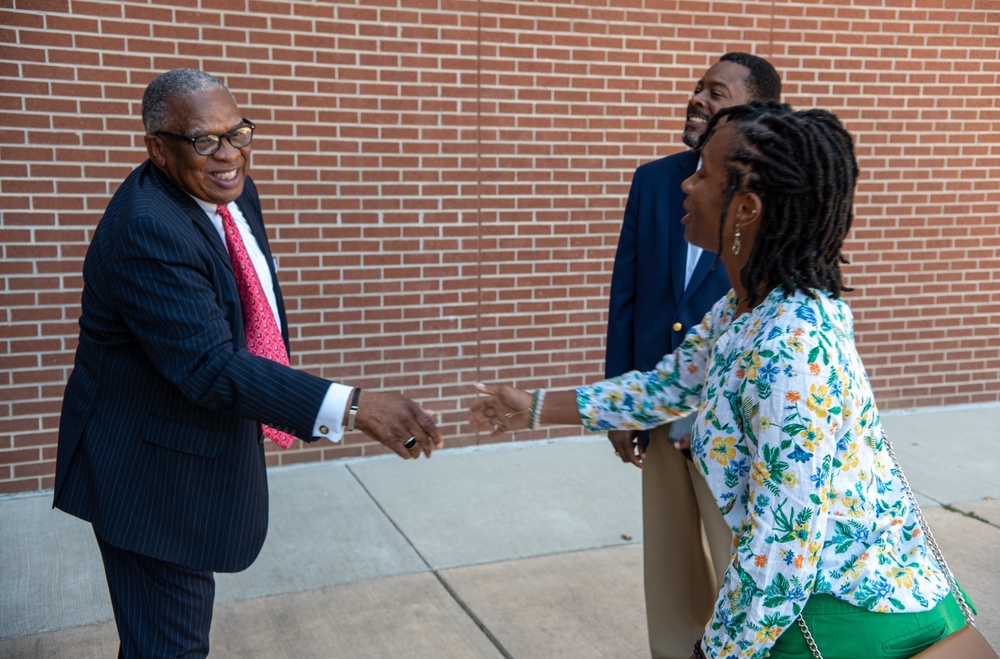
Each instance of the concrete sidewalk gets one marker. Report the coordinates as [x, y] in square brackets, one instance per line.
[524, 550]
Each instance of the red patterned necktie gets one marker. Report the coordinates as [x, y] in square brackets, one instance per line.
[263, 336]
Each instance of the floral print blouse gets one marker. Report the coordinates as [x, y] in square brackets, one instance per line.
[789, 440]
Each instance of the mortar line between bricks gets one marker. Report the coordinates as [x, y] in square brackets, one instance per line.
[437, 575]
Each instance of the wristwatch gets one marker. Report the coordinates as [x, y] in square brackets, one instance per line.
[353, 412]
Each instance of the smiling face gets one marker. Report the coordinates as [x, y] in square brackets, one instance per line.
[706, 190]
[218, 178]
[723, 85]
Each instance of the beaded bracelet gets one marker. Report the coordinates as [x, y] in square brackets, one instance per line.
[698, 652]
[536, 409]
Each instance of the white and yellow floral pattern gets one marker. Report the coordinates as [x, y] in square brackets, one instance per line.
[789, 439]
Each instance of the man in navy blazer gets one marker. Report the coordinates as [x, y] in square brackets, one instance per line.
[160, 439]
[660, 288]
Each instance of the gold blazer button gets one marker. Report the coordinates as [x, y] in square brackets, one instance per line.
[678, 327]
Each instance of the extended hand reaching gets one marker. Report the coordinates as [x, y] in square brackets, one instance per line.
[393, 420]
[500, 408]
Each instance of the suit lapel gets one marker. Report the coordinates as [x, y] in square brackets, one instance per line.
[197, 216]
[229, 288]
[678, 245]
[204, 225]
[701, 271]
[212, 236]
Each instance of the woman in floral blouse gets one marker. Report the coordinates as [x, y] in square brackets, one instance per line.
[787, 434]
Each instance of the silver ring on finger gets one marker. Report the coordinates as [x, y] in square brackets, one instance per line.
[410, 443]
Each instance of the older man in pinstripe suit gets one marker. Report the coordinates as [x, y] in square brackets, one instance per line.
[160, 439]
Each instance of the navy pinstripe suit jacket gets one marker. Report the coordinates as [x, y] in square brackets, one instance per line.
[647, 287]
[159, 439]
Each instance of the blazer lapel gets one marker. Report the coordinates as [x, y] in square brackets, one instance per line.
[678, 245]
[212, 236]
[701, 271]
[197, 217]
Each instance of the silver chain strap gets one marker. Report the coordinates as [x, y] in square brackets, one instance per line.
[931, 542]
[810, 641]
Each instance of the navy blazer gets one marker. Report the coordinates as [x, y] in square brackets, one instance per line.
[648, 298]
[159, 439]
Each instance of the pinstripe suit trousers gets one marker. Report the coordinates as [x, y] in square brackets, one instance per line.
[161, 609]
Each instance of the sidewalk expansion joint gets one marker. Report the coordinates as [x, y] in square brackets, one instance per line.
[971, 514]
[437, 575]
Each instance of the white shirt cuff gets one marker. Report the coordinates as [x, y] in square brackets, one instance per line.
[330, 420]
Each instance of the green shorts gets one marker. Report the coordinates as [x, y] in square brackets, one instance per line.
[845, 631]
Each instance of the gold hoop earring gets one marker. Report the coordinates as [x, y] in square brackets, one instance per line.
[737, 243]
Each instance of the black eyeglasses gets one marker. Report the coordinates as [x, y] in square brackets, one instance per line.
[208, 144]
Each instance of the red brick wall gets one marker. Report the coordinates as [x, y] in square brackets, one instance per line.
[444, 179]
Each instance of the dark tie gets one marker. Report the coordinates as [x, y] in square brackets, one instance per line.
[263, 336]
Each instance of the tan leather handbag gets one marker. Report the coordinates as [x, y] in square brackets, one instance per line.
[967, 642]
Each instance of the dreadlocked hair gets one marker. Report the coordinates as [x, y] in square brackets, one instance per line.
[802, 166]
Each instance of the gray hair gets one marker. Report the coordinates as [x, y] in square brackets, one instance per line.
[170, 85]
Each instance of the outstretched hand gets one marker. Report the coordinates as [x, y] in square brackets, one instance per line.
[392, 419]
[500, 408]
